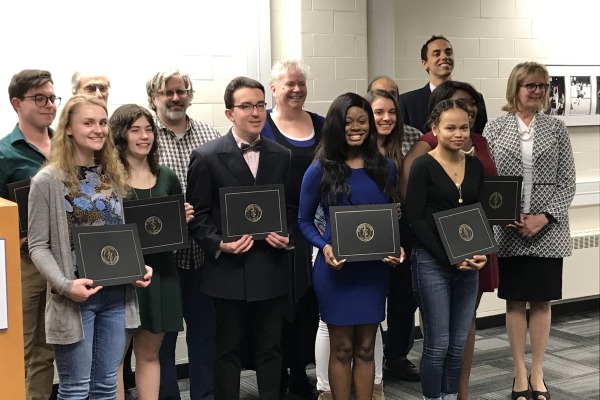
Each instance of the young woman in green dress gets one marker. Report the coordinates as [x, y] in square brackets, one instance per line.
[134, 133]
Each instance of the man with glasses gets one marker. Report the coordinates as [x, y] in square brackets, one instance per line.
[91, 84]
[22, 153]
[247, 278]
[170, 93]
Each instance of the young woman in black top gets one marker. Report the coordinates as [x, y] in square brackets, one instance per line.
[441, 180]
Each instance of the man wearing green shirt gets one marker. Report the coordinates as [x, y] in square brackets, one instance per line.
[22, 153]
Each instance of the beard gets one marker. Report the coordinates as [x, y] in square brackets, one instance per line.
[173, 115]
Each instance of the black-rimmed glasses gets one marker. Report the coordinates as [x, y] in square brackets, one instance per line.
[41, 100]
[179, 92]
[249, 107]
[532, 86]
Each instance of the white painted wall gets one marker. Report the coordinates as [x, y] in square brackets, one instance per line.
[213, 41]
[489, 38]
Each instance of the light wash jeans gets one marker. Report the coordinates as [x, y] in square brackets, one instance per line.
[88, 369]
[446, 298]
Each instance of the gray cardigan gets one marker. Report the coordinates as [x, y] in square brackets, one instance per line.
[553, 182]
[50, 250]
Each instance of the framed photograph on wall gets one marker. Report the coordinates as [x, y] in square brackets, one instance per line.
[574, 94]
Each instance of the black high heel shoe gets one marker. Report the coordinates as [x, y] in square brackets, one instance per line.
[535, 394]
[515, 395]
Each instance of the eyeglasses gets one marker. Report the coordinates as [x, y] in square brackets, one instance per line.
[41, 100]
[532, 86]
[95, 88]
[249, 107]
[170, 93]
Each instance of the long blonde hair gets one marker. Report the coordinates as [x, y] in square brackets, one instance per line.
[62, 156]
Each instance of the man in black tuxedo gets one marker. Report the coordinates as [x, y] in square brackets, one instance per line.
[437, 59]
[247, 279]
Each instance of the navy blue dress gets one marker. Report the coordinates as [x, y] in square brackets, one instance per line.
[354, 294]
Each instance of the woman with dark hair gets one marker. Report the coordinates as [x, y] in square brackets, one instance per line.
[388, 123]
[476, 146]
[443, 179]
[134, 132]
[348, 169]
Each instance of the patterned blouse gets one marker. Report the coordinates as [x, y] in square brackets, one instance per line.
[95, 204]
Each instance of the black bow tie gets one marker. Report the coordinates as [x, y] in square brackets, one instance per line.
[248, 147]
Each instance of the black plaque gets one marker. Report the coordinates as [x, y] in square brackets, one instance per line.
[363, 233]
[19, 193]
[252, 210]
[502, 199]
[465, 232]
[161, 222]
[109, 254]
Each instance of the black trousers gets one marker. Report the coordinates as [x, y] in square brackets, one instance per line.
[264, 320]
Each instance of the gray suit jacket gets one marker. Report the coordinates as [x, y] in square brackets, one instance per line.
[553, 182]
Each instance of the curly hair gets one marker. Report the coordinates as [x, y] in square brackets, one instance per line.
[62, 156]
[333, 151]
[120, 122]
[442, 107]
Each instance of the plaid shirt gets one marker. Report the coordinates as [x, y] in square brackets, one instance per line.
[410, 137]
[175, 153]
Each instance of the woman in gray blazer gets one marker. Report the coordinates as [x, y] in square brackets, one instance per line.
[526, 142]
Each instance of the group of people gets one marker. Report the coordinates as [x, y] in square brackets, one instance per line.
[264, 304]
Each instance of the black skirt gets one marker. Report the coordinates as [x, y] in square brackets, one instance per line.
[526, 278]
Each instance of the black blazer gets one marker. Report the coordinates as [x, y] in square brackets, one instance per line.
[414, 108]
[262, 272]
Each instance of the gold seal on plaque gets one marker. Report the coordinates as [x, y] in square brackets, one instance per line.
[109, 255]
[253, 213]
[153, 225]
[495, 200]
[465, 232]
[365, 232]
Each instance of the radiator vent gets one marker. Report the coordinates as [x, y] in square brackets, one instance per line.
[585, 242]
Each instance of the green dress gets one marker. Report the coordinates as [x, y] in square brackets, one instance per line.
[160, 302]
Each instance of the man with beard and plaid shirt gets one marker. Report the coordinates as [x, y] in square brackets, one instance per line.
[170, 93]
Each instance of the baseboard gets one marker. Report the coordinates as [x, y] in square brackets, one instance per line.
[560, 308]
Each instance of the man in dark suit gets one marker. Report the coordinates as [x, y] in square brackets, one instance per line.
[247, 279]
[437, 59]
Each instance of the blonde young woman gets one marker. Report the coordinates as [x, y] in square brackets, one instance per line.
[82, 184]
[528, 143]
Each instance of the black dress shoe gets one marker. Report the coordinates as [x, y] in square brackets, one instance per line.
[404, 369]
[303, 388]
[535, 394]
[516, 395]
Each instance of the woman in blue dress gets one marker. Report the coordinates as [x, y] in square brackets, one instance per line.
[348, 169]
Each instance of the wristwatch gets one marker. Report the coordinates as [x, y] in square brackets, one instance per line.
[549, 217]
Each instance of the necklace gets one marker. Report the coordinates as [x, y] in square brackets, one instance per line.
[455, 179]
[469, 152]
[149, 186]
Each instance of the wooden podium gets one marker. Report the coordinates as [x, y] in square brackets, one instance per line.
[12, 366]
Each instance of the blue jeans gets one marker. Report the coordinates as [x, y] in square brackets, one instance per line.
[446, 297]
[88, 368]
[199, 316]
